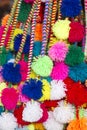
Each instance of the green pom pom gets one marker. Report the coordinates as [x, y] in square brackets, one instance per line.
[26, 58]
[75, 56]
[24, 12]
[42, 66]
[3, 56]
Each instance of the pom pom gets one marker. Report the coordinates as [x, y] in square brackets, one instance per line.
[61, 29]
[74, 56]
[51, 123]
[45, 91]
[7, 121]
[23, 70]
[3, 56]
[18, 114]
[1, 77]
[23, 128]
[28, 1]
[42, 66]
[71, 8]
[64, 113]
[49, 104]
[58, 89]
[76, 33]
[59, 71]
[9, 98]
[45, 114]
[78, 73]
[58, 51]
[77, 94]
[38, 32]
[24, 11]
[32, 112]
[37, 48]
[2, 86]
[39, 126]
[17, 42]
[11, 73]
[33, 89]
[4, 20]
[78, 124]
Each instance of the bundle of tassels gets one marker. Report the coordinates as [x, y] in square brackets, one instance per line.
[43, 69]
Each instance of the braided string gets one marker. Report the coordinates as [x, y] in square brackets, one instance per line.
[59, 11]
[8, 24]
[54, 11]
[44, 31]
[14, 23]
[18, 57]
[32, 38]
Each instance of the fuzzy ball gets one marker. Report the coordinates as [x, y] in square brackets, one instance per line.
[78, 124]
[9, 98]
[45, 91]
[37, 48]
[32, 112]
[77, 94]
[5, 19]
[61, 29]
[1, 77]
[71, 8]
[51, 103]
[7, 121]
[58, 90]
[11, 73]
[52, 124]
[58, 51]
[3, 56]
[24, 12]
[78, 73]
[74, 56]
[18, 114]
[17, 42]
[59, 71]
[38, 126]
[23, 70]
[76, 32]
[64, 113]
[2, 86]
[42, 66]
[32, 89]
[28, 1]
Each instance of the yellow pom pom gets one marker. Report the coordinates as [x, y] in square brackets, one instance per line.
[45, 91]
[33, 75]
[31, 127]
[39, 126]
[61, 29]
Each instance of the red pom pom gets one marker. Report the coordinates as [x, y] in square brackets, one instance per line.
[9, 98]
[68, 81]
[77, 94]
[18, 114]
[49, 104]
[76, 33]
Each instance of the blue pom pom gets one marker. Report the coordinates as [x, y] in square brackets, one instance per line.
[79, 72]
[11, 73]
[32, 89]
[37, 48]
[71, 8]
[17, 42]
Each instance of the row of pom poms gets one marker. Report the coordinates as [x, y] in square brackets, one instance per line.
[40, 92]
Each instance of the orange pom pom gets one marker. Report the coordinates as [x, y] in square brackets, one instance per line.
[5, 19]
[38, 32]
[39, 126]
[78, 124]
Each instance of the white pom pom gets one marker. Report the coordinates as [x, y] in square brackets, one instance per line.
[7, 121]
[11, 61]
[64, 113]
[58, 89]
[51, 123]
[32, 112]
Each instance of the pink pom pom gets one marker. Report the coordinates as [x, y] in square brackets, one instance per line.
[28, 1]
[58, 51]
[9, 98]
[22, 98]
[23, 69]
[60, 71]
[76, 33]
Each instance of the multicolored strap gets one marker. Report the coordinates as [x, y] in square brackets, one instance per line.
[59, 11]
[18, 57]
[32, 38]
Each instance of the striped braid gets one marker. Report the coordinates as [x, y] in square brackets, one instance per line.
[59, 11]
[8, 24]
[14, 23]
[44, 31]
[32, 38]
[18, 57]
